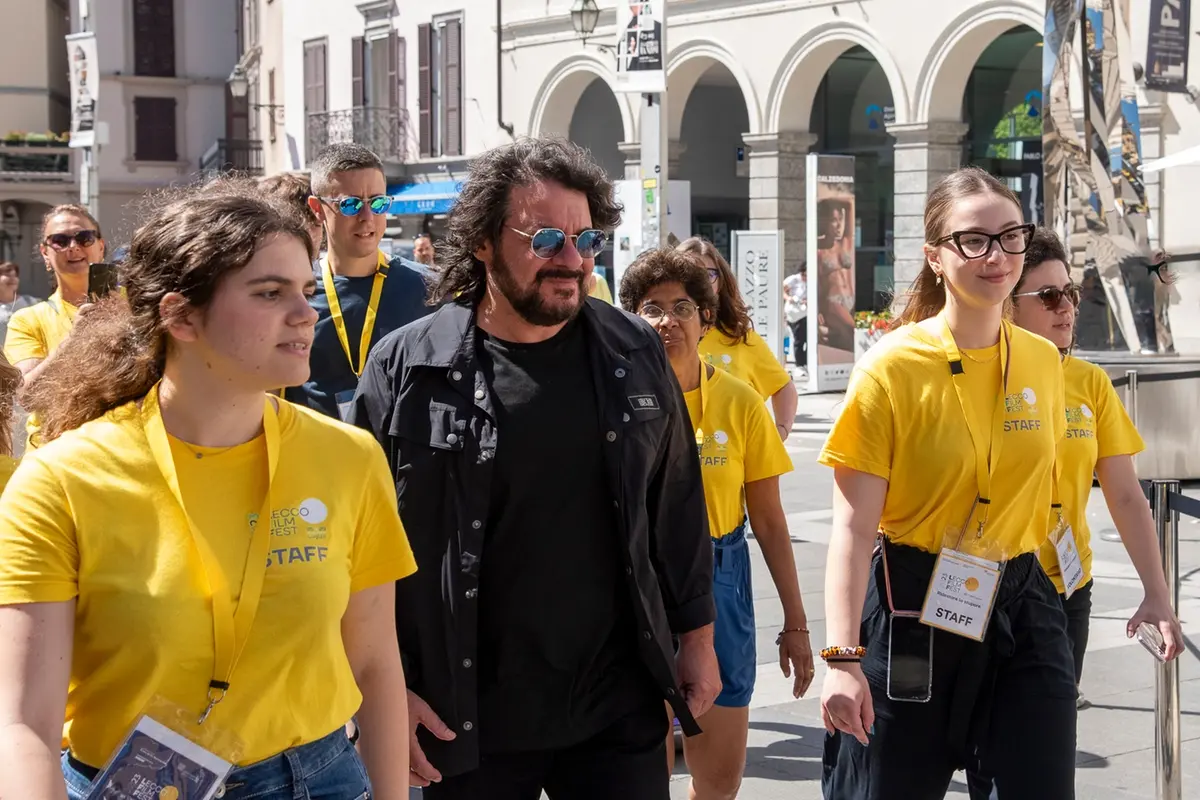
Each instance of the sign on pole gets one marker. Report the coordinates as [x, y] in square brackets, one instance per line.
[641, 56]
[758, 261]
[830, 260]
[1167, 45]
[85, 87]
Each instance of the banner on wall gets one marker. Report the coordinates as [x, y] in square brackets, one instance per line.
[85, 88]
[758, 262]
[641, 62]
[1167, 45]
[830, 259]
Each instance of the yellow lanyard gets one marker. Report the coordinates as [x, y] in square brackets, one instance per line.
[987, 454]
[231, 629]
[335, 311]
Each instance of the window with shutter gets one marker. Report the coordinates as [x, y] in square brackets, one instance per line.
[452, 89]
[402, 75]
[271, 103]
[154, 129]
[357, 86]
[154, 38]
[316, 96]
[425, 89]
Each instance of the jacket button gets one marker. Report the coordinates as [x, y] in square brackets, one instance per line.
[624, 418]
[479, 394]
[220, 791]
[467, 663]
[611, 436]
[452, 439]
[468, 725]
[471, 593]
[476, 524]
[629, 570]
[670, 691]
[456, 375]
[647, 635]
[620, 373]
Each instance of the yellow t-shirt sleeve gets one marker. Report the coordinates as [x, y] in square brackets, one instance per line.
[39, 554]
[1115, 431]
[25, 339]
[765, 455]
[768, 376]
[381, 549]
[863, 436]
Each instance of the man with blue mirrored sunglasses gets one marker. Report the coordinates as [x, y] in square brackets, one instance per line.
[361, 295]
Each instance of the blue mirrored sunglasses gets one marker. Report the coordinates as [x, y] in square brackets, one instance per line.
[353, 206]
[548, 242]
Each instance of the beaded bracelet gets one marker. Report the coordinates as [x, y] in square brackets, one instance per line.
[843, 653]
[779, 638]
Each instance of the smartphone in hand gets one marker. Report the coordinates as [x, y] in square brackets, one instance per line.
[102, 279]
[1152, 640]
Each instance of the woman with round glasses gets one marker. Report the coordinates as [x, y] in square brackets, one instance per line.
[71, 241]
[731, 343]
[947, 644]
[741, 460]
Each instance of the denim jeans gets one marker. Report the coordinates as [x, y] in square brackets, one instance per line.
[327, 769]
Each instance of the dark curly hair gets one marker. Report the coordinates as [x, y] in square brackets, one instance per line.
[1044, 246]
[667, 265]
[733, 316]
[479, 214]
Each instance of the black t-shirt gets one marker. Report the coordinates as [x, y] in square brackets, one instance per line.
[557, 635]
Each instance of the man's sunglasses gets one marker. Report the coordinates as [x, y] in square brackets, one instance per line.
[353, 206]
[1051, 296]
[546, 243]
[61, 241]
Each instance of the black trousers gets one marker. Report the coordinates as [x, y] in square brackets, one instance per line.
[627, 760]
[1004, 707]
[1079, 615]
[800, 343]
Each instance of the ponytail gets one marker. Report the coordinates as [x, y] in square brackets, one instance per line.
[105, 363]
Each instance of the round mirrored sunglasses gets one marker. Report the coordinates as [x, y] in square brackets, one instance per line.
[546, 243]
[353, 206]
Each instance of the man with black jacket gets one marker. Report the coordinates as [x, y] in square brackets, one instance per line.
[547, 476]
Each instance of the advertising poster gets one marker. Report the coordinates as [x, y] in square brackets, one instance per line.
[641, 64]
[1167, 45]
[830, 259]
[85, 88]
[758, 263]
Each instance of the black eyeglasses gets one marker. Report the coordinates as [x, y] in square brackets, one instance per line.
[353, 206]
[1162, 269]
[976, 244]
[681, 312]
[1051, 296]
[61, 241]
[546, 243]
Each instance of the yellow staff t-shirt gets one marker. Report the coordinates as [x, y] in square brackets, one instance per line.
[8, 465]
[90, 517]
[1097, 427]
[738, 444]
[903, 422]
[36, 332]
[750, 361]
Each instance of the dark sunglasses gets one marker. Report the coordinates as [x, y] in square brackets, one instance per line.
[682, 312]
[976, 244]
[546, 243]
[353, 206]
[1051, 296]
[61, 241]
[1162, 270]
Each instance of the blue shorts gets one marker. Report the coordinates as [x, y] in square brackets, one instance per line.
[733, 636]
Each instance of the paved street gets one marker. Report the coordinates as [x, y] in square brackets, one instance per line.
[1116, 735]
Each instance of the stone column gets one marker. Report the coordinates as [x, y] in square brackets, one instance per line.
[777, 189]
[925, 153]
[633, 159]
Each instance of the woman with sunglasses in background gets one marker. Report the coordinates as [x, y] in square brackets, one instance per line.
[741, 459]
[71, 241]
[362, 294]
[187, 548]
[732, 345]
[943, 495]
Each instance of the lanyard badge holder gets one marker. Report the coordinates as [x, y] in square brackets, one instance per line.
[174, 752]
[346, 398]
[967, 573]
[1066, 552]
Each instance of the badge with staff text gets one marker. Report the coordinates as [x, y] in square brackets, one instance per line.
[1070, 566]
[155, 763]
[961, 594]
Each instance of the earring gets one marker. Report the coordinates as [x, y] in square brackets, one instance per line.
[939, 279]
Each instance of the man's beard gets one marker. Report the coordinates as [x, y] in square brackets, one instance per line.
[528, 302]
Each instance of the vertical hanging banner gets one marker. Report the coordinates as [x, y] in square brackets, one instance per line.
[85, 87]
[830, 258]
[758, 262]
[641, 62]
[1167, 45]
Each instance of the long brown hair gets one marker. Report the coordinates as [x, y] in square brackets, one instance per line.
[733, 317]
[117, 352]
[927, 297]
[10, 382]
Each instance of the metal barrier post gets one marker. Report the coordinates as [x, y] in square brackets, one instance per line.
[1167, 731]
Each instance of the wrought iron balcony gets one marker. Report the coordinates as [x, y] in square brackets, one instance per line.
[21, 163]
[382, 130]
[242, 156]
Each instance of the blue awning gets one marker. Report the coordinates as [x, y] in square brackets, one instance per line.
[435, 197]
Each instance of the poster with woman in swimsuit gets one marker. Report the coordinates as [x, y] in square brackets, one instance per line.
[835, 270]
